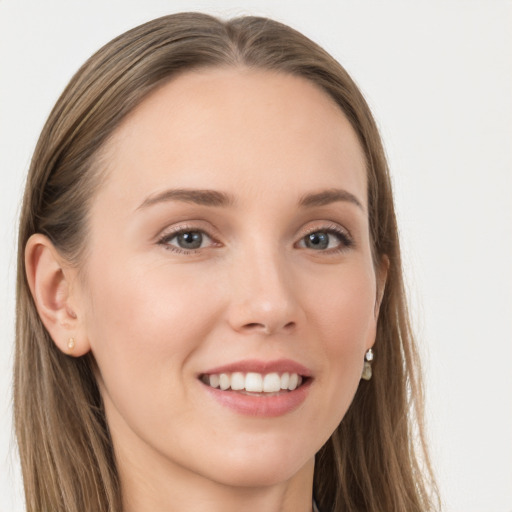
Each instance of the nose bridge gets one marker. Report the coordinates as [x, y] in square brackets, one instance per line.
[263, 298]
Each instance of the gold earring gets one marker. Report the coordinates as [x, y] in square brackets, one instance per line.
[367, 368]
[71, 343]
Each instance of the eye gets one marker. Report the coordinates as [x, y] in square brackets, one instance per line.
[326, 240]
[186, 240]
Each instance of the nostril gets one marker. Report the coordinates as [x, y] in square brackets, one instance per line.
[289, 326]
[255, 325]
[267, 329]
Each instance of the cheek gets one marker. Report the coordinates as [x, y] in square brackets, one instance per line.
[345, 320]
[345, 309]
[142, 324]
[156, 301]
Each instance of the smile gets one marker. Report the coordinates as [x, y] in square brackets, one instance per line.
[264, 389]
[252, 382]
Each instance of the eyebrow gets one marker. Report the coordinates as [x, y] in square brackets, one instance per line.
[221, 199]
[329, 196]
[201, 197]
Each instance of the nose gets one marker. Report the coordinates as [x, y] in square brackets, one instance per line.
[262, 295]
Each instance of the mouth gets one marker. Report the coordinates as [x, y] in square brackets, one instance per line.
[255, 384]
[264, 389]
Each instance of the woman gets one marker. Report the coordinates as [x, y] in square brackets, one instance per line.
[210, 296]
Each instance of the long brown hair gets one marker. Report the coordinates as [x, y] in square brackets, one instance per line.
[376, 460]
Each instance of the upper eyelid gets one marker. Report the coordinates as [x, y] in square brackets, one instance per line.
[342, 236]
[328, 226]
[166, 236]
[174, 234]
[184, 227]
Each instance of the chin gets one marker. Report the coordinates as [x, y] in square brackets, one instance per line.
[247, 475]
[261, 468]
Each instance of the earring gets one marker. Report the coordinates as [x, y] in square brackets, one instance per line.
[71, 343]
[367, 368]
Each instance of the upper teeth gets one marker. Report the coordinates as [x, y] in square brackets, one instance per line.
[254, 382]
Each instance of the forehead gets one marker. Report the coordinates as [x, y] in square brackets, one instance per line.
[233, 127]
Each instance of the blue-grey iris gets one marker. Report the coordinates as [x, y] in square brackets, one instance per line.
[190, 240]
[317, 240]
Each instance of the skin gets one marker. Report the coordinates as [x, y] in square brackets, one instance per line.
[155, 317]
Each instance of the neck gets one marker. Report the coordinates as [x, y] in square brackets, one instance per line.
[161, 486]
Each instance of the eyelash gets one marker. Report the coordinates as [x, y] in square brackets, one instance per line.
[345, 241]
[167, 237]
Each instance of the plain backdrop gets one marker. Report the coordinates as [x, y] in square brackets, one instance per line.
[438, 76]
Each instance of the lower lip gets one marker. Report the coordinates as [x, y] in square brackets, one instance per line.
[263, 406]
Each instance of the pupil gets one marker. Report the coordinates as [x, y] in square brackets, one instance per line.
[190, 240]
[318, 240]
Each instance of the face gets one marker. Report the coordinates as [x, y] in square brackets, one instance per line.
[229, 246]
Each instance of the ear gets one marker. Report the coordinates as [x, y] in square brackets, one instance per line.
[381, 276]
[50, 281]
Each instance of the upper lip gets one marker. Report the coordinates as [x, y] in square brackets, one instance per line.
[259, 366]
